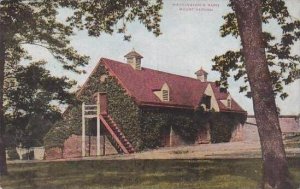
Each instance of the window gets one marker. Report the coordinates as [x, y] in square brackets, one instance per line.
[138, 65]
[129, 60]
[229, 103]
[165, 95]
[207, 101]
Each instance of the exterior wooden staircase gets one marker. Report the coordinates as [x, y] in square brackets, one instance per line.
[123, 144]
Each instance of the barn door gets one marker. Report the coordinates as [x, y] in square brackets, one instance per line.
[103, 104]
[166, 137]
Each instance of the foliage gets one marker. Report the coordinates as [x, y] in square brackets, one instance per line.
[71, 124]
[124, 112]
[12, 154]
[153, 122]
[26, 23]
[37, 23]
[186, 123]
[31, 89]
[118, 102]
[32, 98]
[281, 58]
[34, 132]
[222, 125]
[183, 125]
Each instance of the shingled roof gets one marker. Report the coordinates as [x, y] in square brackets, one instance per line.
[185, 92]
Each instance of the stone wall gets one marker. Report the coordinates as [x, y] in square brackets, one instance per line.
[289, 124]
[72, 148]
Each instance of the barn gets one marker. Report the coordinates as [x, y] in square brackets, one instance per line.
[142, 108]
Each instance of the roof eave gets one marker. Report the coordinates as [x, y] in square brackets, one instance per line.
[233, 111]
[158, 104]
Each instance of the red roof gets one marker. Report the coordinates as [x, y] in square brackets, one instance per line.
[223, 96]
[185, 92]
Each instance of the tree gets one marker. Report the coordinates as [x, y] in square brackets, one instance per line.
[32, 98]
[282, 62]
[36, 23]
[261, 53]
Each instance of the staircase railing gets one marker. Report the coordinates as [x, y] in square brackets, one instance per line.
[116, 138]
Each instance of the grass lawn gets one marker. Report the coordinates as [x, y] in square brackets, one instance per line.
[141, 174]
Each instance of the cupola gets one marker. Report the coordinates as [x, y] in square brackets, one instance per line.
[134, 59]
[201, 75]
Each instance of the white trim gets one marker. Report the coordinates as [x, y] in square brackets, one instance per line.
[214, 103]
[83, 132]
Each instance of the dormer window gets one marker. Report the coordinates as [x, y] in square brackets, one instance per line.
[229, 103]
[164, 93]
[207, 101]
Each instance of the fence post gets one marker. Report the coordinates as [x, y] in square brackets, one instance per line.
[83, 131]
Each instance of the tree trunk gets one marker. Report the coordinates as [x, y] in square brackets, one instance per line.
[275, 169]
[3, 166]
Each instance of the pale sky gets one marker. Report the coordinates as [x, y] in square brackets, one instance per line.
[190, 40]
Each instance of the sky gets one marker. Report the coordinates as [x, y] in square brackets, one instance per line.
[190, 39]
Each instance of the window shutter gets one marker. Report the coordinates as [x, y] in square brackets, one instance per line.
[165, 95]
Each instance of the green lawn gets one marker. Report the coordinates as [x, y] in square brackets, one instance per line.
[137, 174]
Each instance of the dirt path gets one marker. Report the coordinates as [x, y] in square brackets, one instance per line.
[203, 151]
[206, 151]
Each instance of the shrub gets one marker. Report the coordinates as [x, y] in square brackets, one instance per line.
[12, 154]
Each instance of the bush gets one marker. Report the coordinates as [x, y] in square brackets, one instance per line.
[12, 154]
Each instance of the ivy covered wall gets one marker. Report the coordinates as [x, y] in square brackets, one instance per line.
[124, 112]
[186, 123]
[155, 120]
[71, 124]
[222, 125]
[120, 106]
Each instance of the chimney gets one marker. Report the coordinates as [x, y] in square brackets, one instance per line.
[134, 59]
[201, 75]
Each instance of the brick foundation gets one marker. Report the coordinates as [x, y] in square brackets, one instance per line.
[53, 153]
[72, 148]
